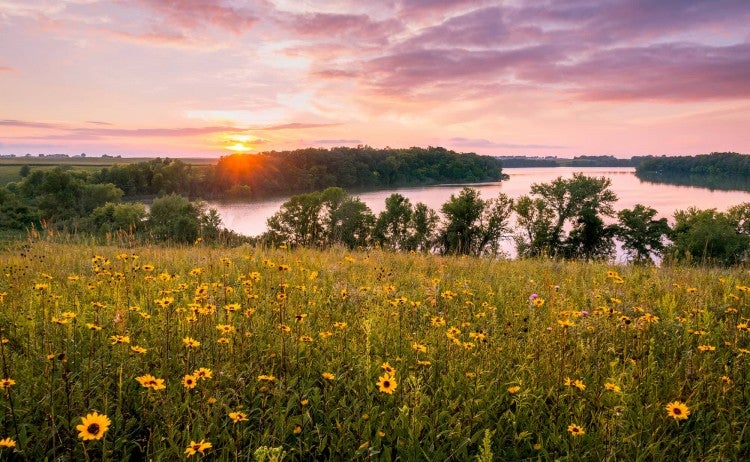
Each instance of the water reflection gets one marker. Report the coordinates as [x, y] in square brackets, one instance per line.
[249, 218]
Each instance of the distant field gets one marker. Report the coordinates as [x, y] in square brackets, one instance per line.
[10, 167]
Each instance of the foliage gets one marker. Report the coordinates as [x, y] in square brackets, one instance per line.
[63, 197]
[709, 236]
[156, 177]
[322, 218]
[175, 218]
[718, 170]
[472, 225]
[533, 226]
[15, 213]
[402, 226]
[525, 359]
[640, 233]
[304, 170]
[578, 203]
[112, 217]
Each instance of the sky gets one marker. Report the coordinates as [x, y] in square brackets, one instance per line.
[206, 78]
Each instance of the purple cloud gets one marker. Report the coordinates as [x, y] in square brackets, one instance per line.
[329, 25]
[592, 50]
[664, 72]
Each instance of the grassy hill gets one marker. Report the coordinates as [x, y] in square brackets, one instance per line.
[367, 355]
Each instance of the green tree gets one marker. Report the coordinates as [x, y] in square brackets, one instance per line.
[392, 228]
[707, 237]
[116, 217]
[590, 238]
[211, 225]
[321, 218]
[533, 222]
[642, 235]
[174, 218]
[578, 203]
[298, 221]
[16, 213]
[350, 223]
[402, 226]
[424, 224]
[473, 225]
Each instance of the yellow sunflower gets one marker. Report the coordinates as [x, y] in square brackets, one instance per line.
[149, 381]
[677, 410]
[203, 373]
[576, 430]
[93, 426]
[7, 443]
[612, 387]
[388, 368]
[238, 416]
[194, 447]
[189, 381]
[387, 384]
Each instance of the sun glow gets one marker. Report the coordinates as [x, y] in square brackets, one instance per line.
[238, 147]
[240, 143]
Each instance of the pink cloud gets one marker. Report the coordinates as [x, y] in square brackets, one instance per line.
[659, 72]
[421, 8]
[295, 126]
[68, 132]
[29, 124]
[191, 14]
[338, 142]
[329, 25]
[332, 74]
[412, 70]
[587, 49]
[6, 69]
[483, 143]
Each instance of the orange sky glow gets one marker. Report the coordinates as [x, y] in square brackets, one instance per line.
[206, 78]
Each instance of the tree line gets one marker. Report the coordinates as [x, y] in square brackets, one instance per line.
[576, 161]
[68, 200]
[718, 170]
[245, 176]
[564, 218]
[102, 201]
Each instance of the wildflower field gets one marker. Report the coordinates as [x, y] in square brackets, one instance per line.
[248, 354]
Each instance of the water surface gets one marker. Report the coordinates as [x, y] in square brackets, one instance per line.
[249, 218]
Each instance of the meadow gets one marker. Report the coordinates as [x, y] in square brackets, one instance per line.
[132, 353]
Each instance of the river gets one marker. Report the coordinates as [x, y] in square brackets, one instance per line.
[249, 218]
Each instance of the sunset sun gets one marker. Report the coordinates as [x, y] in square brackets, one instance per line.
[240, 143]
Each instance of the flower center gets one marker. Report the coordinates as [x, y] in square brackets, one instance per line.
[93, 428]
[677, 411]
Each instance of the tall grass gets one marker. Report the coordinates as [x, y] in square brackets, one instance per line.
[516, 360]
